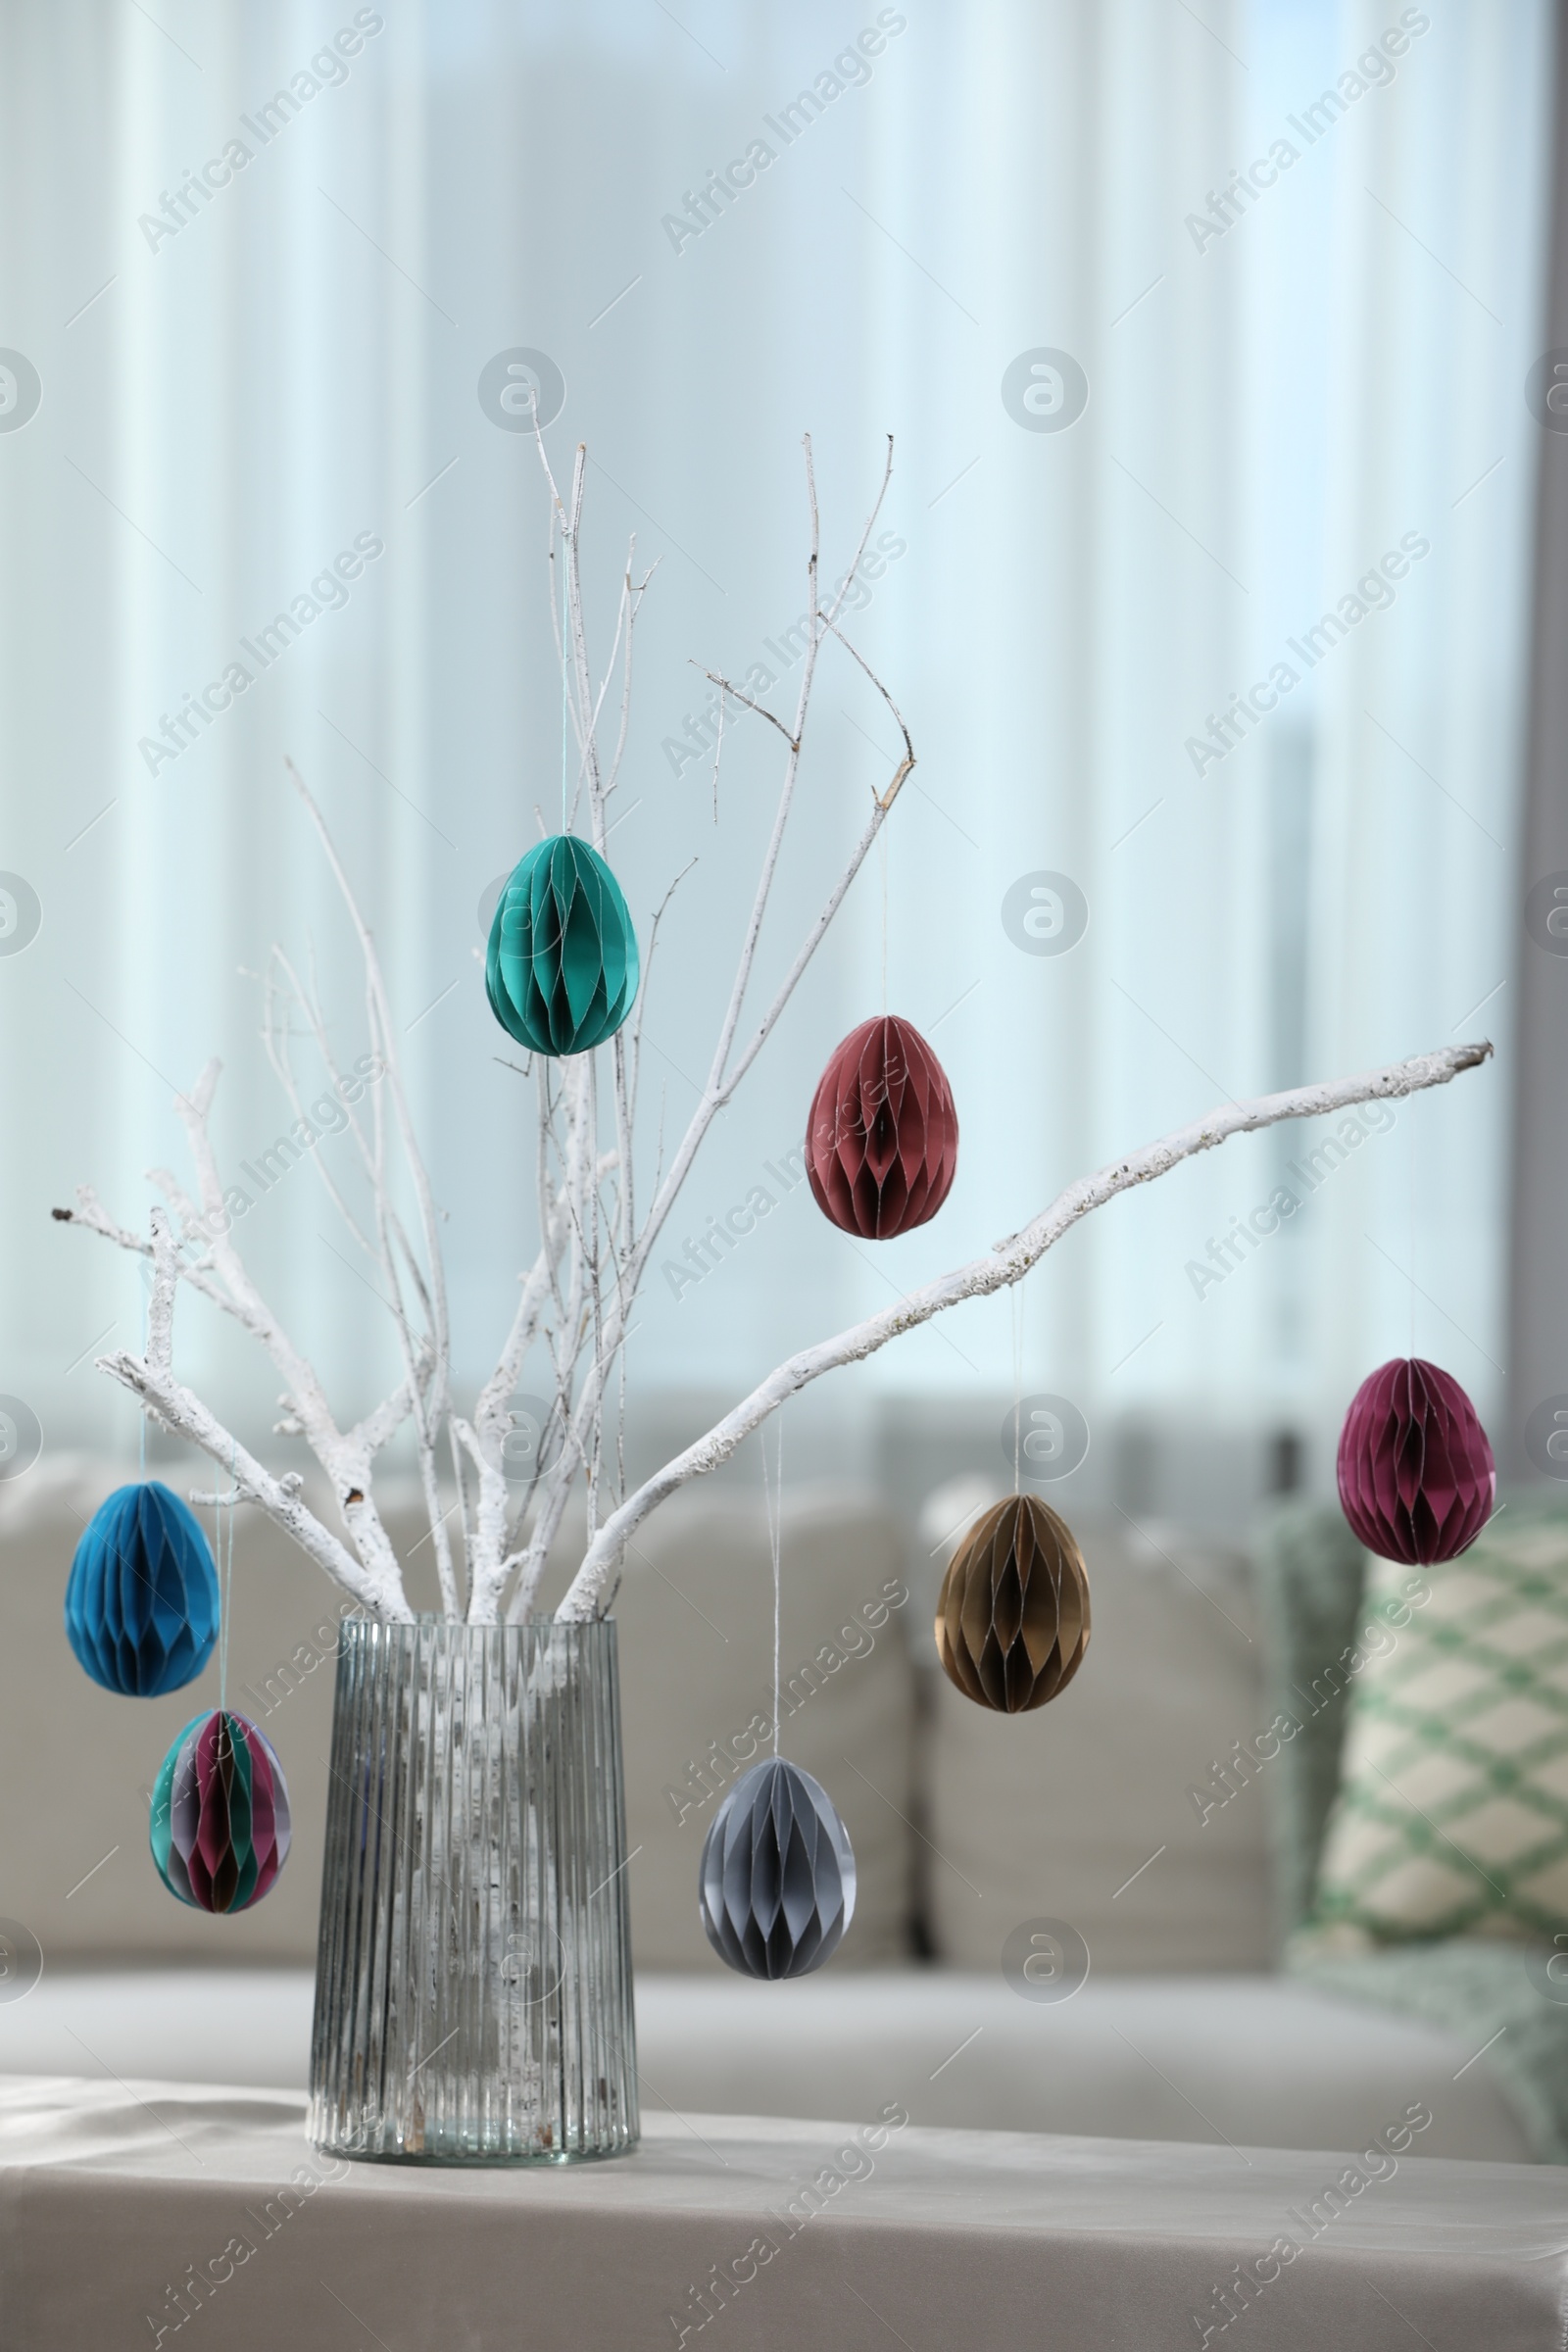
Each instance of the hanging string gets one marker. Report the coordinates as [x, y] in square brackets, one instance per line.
[565, 662]
[225, 1529]
[775, 1529]
[1411, 1125]
[1017, 1390]
[882, 853]
[142, 1413]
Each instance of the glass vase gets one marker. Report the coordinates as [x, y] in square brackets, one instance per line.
[473, 1986]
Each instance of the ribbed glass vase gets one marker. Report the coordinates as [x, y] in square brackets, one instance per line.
[474, 1988]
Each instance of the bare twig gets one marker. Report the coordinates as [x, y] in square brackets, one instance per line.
[577, 1299]
[729, 1067]
[716, 678]
[1009, 1262]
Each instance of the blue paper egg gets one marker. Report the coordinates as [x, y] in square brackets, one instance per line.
[562, 968]
[141, 1605]
[776, 1881]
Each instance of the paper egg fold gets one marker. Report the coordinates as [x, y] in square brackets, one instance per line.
[1417, 1480]
[141, 1600]
[776, 1882]
[1013, 1620]
[220, 1829]
[882, 1140]
[561, 967]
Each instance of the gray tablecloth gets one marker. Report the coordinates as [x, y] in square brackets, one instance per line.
[124, 2206]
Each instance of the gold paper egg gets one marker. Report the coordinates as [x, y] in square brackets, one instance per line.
[1012, 1622]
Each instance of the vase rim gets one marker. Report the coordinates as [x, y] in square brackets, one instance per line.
[424, 1620]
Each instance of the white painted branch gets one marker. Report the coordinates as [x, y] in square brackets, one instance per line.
[861, 661]
[151, 1379]
[184, 1416]
[786, 798]
[429, 1395]
[193, 1231]
[382, 1424]
[91, 1216]
[712, 1102]
[634, 598]
[485, 1441]
[584, 1425]
[485, 1562]
[1009, 1263]
[577, 1192]
[374, 1431]
[347, 1463]
[304, 1387]
[726, 1075]
[160, 1306]
[837, 606]
[578, 634]
[814, 937]
[726, 686]
[583, 1308]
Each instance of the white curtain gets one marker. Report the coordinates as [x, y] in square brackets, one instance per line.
[1295, 385]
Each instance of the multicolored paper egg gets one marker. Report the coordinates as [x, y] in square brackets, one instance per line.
[882, 1138]
[562, 965]
[1417, 1480]
[141, 1601]
[220, 1829]
[776, 1881]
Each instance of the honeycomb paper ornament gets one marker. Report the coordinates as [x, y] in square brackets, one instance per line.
[882, 1140]
[141, 1601]
[562, 968]
[1013, 1621]
[1417, 1482]
[220, 1829]
[776, 1882]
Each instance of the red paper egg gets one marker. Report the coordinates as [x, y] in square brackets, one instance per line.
[1417, 1480]
[882, 1142]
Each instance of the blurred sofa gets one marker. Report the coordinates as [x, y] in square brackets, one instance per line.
[969, 1830]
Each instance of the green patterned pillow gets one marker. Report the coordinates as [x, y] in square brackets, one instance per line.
[1452, 1812]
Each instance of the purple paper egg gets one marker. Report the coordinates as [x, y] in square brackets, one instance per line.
[1417, 1480]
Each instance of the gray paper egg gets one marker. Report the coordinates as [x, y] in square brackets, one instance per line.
[776, 1883]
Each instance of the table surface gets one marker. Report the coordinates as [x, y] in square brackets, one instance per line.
[124, 2206]
[1234, 2058]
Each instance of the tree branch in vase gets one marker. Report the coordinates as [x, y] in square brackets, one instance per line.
[576, 1300]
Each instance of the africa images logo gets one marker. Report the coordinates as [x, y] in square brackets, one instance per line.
[21, 391]
[1044, 391]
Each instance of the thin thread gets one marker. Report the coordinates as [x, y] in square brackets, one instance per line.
[565, 658]
[217, 1555]
[1017, 1388]
[882, 848]
[142, 1415]
[1410, 1128]
[225, 1557]
[718, 753]
[775, 1529]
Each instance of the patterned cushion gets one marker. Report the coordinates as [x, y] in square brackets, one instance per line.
[1452, 1812]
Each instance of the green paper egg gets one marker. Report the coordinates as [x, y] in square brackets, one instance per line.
[562, 968]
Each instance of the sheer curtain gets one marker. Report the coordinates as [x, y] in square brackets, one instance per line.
[1304, 449]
